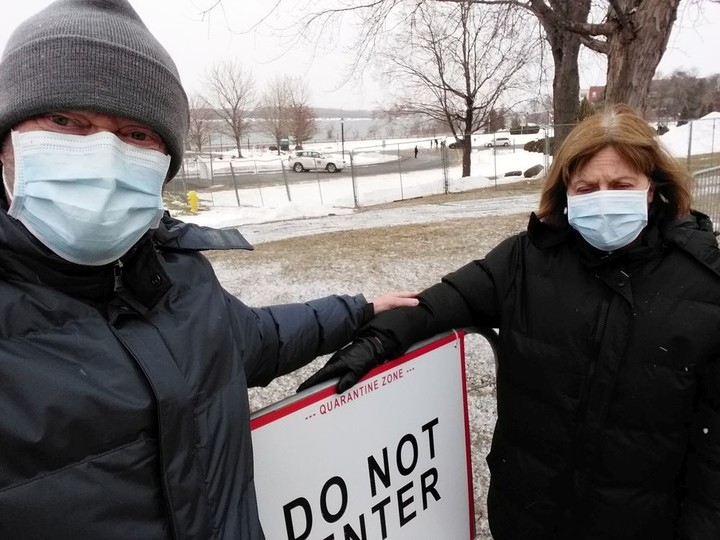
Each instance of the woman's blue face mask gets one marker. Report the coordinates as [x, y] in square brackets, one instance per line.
[609, 219]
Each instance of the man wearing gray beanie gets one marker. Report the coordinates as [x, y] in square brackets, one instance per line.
[124, 364]
[97, 56]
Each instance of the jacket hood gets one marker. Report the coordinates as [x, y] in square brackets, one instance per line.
[694, 234]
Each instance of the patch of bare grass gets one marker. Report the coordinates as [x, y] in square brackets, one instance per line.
[523, 187]
[462, 238]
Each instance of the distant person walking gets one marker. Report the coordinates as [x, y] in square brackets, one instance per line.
[416, 152]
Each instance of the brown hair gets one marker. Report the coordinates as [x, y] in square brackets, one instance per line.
[620, 127]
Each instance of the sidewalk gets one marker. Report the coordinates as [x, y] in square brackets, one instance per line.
[257, 233]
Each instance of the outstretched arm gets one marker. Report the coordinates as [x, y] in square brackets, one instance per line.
[470, 296]
[389, 334]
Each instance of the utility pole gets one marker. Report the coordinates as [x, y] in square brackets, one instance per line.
[342, 136]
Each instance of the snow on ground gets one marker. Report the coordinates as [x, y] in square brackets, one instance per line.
[329, 197]
[334, 196]
[405, 215]
[697, 137]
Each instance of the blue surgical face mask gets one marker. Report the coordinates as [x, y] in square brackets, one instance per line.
[609, 219]
[87, 198]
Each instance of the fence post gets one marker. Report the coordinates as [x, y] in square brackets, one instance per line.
[546, 156]
[706, 194]
[237, 195]
[183, 174]
[287, 186]
[494, 149]
[354, 181]
[317, 178]
[689, 154]
[712, 145]
[402, 196]
[445, 166]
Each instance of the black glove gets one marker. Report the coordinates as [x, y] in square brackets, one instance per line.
[350, 364]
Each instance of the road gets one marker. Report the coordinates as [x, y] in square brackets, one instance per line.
[427, 159]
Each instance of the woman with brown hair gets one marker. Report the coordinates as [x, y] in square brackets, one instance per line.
[608, 381]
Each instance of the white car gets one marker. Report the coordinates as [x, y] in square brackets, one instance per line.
[499, 141]
[308, 160]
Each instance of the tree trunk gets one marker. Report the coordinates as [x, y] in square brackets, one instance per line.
[467, 137]
[635, 50]
[466, 156]
[566, 83]
[565, 48]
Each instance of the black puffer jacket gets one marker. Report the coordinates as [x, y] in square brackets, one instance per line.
[608, 385]
[123, 389]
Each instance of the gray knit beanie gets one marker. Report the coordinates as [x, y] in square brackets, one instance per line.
[94, 55]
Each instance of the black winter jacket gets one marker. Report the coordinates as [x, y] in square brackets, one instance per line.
[608, 384]
[123, 388]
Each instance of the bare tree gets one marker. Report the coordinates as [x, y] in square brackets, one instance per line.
[231, 92]
[632, 34]
[454, 64]
[496, 120]
[200, 121]
[300, 116]
[538, 109]
[683, 96]
[565, 49]
[274, 106]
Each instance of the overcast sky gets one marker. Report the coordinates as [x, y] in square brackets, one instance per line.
[196, 41]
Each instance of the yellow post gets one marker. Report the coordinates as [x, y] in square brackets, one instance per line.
[193, 201]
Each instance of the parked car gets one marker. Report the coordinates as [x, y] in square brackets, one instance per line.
[308, 160]
[499, 141]
[456, 144]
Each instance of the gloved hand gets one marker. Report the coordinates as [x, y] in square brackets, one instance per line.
[350, 364]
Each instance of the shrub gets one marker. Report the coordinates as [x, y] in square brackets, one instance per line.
[534, 146]
[538, 145]
[533, 171]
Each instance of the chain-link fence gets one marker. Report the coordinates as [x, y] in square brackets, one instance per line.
[697, 143]
[706, 194]
[370, 175]
[407, 168]
[399, 171]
